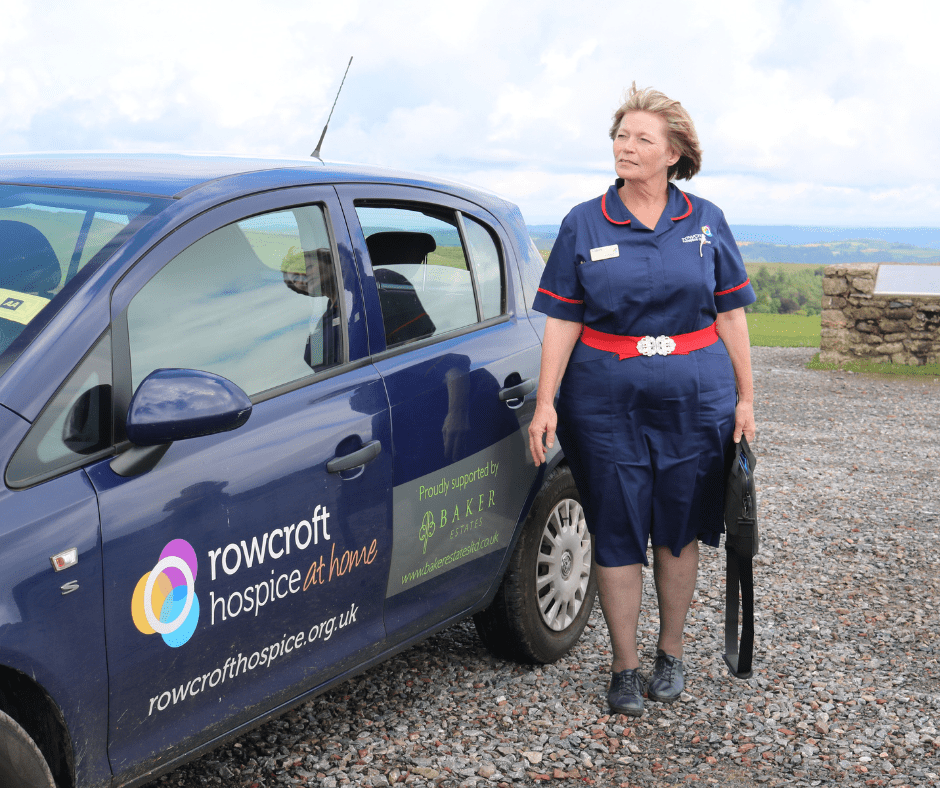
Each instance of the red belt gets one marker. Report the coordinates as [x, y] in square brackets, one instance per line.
[631, 347]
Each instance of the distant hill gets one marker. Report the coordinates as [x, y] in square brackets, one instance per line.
[849, 251]
[543, 235]
[816, 245]
[791, 235]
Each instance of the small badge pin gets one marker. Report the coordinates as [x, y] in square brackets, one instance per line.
[703, 242]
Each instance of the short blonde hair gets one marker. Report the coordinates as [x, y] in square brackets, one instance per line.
[679, 128]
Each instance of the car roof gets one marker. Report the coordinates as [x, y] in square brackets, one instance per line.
[175, 174]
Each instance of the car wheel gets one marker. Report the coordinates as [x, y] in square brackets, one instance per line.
[21, 763]
[548, 591]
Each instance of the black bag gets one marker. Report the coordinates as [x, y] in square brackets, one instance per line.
[741, 502]
[741, 545]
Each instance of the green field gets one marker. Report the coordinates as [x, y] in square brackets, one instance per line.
[450, 256]
[768, 330]
[753, 268]
[871, 368]
[798, 331]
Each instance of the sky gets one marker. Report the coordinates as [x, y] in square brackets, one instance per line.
[822, 113]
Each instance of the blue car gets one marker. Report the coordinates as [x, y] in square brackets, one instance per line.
[262, 425]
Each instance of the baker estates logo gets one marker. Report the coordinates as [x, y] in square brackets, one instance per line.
[165, 600]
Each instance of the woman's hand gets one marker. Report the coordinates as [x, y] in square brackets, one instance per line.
[557, 344]
[543, 422]
[744, 422]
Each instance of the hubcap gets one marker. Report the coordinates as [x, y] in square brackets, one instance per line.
[564, 565]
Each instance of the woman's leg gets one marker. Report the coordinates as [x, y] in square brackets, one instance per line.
[621, 590]
[675, 585]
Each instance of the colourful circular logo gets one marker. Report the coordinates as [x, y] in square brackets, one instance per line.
[707, 230]
[165, 600]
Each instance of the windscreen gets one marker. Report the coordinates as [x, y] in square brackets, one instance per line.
[50, 240]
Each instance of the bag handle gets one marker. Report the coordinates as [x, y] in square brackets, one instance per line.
[739, 573]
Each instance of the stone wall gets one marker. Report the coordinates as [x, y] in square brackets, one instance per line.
[858, 325]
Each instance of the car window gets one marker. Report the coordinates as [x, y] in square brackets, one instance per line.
[423, 273]
[74, 425]
[486, 264]
[101, 228]
[75, 230]
[531, 269]
[254, 301]
[48, 238]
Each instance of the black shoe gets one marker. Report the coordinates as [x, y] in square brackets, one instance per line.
[667, 679]
[625, 695]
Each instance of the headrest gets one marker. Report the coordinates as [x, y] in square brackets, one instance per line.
[28, 263]
[391, 248]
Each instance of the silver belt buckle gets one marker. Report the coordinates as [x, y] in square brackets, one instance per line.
[656, 346]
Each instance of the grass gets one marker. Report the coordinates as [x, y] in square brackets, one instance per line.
[753, 268]
[768, 330]
[450, 256]
[798, 331]
[871, 368]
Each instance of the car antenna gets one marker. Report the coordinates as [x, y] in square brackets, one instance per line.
[316, 151]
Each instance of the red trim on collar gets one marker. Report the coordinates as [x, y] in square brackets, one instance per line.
[674, 218]
[677, 218]
[725, 292]
[560, 298]
[607, 217]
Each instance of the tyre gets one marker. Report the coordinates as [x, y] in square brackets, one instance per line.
[21, 763]
[548, 591]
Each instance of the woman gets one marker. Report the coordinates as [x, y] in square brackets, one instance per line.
[638, 288]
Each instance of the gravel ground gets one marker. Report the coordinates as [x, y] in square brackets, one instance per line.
[847, 680]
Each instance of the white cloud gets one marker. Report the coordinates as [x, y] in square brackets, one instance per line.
[754, 200]
[434, 129]
[545, 197]
[13, 12]
[803, 107]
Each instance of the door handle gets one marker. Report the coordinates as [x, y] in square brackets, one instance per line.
[360, 457]
[518, 391]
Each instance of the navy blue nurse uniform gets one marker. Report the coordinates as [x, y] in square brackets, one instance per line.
[646, 437]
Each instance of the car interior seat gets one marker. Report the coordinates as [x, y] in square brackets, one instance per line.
[403, 315]
[28, 263]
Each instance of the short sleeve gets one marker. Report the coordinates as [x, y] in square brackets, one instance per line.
[733, 287]
[560, 293]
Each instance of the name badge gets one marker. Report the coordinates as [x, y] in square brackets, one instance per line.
[605, 252]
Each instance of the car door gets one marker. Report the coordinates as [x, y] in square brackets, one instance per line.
[461, 371]
[243, 568]
[51, 613]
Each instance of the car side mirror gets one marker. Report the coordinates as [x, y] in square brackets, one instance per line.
[176, 404]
